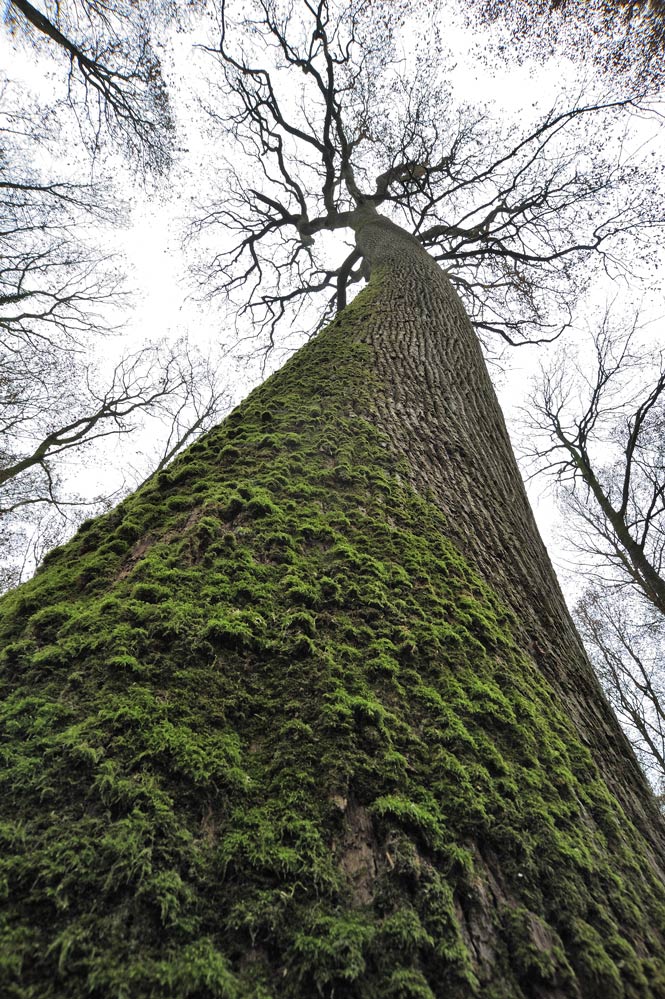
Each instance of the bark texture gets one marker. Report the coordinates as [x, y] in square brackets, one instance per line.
[439, 409]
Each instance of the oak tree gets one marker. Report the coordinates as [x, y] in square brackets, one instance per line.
[307, 714]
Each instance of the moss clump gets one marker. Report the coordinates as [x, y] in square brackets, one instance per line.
[271, 737]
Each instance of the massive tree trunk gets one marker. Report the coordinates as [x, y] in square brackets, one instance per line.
[306, 714]
[438, 408]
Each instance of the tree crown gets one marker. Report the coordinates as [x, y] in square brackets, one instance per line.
[512, 213]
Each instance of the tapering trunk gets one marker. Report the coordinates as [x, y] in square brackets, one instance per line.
[306, 715]
[439, 409]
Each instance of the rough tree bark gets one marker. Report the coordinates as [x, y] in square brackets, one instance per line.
[307, 716]
[440, 411]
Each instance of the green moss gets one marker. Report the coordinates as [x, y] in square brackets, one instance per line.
[537, 954]
[265, 732]
[150, 593]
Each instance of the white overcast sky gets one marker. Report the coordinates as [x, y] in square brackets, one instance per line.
[164, 303]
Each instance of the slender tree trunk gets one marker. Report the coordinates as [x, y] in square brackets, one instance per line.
[306, 716]
[631, 554]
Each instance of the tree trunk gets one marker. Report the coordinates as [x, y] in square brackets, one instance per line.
[306, 714]
[439, 409]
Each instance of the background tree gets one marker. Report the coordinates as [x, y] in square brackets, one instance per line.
[60, 295]
[53, 410]
[306, 714]
[599, 429]
[624, 39]
[114, 75]
[624, 637]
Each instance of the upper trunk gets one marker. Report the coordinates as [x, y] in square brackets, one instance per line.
[269, 734]
[439, 409]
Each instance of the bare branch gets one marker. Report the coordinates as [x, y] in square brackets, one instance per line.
[601, 435]
[114, 77]
[511, 214]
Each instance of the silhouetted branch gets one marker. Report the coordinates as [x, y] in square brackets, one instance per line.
[577, 418]
[625, 645]
[511, 214]
[114, 75]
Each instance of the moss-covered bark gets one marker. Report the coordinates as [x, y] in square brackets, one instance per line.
[266, 733]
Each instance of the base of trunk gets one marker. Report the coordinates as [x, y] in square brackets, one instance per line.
[267, 734]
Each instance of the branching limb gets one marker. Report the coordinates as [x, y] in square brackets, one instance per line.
[627, 516]
[114, 74]
[509, 211]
